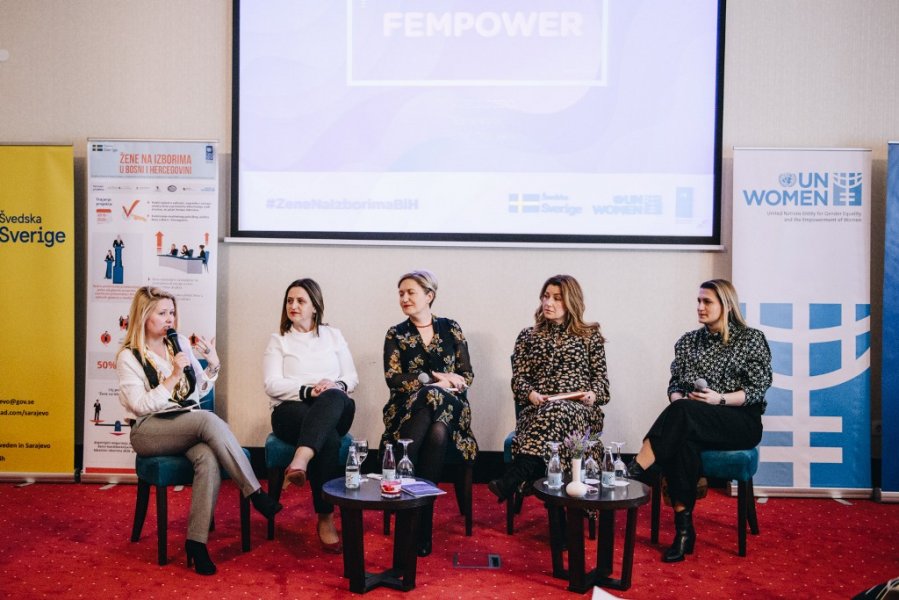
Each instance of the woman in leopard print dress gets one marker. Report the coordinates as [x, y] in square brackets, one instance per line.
[560, 354]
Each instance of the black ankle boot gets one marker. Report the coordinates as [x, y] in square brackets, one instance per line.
[638, 473]
[198, 557]
[684, 537]
[499, 490]
[264, 504]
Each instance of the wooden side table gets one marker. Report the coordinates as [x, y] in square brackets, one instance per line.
[606, 501]
[401, 576]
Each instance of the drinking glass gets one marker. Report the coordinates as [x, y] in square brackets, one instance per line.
[361, 452]
[404, 469]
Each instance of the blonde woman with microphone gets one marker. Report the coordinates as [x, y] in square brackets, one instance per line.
[160, 383]
[428, 372]
[719, 377]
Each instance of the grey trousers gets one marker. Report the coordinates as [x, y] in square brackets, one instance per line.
[208, 443]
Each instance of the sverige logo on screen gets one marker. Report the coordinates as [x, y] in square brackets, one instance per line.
[816, 425]
[483, 42]
[813, 188]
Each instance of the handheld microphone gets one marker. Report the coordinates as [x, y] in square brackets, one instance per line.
[425, 378]
[700, 385]
[172, 336]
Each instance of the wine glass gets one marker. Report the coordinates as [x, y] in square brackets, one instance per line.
[404, 468]
[620, 467]
[361, 452]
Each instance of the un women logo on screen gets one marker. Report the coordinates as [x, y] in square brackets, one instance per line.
[818, 417]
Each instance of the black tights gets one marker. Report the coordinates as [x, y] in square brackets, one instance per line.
[428, 448]
[427, 452]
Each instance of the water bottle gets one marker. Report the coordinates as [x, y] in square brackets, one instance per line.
[388, 466]
[608, 468]
[554, 468]
[353, 477]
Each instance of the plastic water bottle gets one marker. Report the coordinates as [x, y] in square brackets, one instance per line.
[353, 477]
[388, 466]
[608, 468]
[554, 468]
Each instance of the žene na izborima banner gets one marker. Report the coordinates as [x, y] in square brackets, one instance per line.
[37, 315]
[801, 265]
[152, 220]
[890, 372]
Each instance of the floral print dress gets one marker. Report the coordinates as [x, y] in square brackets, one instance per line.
[405, 358]
[552, 360]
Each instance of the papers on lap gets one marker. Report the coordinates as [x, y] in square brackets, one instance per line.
[567, 396]
[420, 488]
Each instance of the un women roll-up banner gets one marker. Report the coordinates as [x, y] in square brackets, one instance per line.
[890, 372]
[37, 315]
[801, 265]
[152, 220]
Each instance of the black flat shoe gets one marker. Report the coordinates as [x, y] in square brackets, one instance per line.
[264, 504]
[198, 557]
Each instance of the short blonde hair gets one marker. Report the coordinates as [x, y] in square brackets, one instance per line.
[426, 279]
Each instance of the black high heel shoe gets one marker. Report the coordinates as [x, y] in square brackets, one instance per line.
[198, 557]
[264, 504]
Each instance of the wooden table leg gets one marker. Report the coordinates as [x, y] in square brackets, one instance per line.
[577, 579]
[606, 543]
[405, 546]
[353, 549]
[555, 540]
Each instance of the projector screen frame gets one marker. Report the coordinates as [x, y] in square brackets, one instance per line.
[711, 242]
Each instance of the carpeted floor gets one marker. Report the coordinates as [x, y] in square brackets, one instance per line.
[72, 541]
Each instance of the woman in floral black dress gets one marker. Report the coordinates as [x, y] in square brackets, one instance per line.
[560, 354]
[434, 414]
[733, 362]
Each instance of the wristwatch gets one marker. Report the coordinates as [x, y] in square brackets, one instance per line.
[722, 401]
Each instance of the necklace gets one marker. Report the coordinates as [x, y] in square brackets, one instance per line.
[422, 326]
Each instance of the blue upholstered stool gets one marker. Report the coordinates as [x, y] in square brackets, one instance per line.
[162, 472]
[278, 455]
[729, 465]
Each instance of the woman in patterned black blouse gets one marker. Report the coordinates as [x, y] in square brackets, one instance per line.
[719, 377]
[434, 414]
[560, 354]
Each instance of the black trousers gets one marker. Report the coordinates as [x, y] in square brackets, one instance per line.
[318, 423]
[686, 428]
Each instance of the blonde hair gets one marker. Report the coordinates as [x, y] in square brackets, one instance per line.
[730, 304]
[426, 279]
[573, 299]
[144, 302]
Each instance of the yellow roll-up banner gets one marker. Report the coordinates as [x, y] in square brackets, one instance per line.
[37, 313]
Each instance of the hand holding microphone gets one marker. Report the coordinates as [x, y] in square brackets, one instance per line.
[702, 391]
[444, 380]
[172, 336]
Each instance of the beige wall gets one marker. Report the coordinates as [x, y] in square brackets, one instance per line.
[797, 73]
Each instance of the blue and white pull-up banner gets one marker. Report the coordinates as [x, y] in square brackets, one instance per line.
[890, 372]
[801, 264]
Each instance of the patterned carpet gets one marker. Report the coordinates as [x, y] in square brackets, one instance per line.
[72, 541]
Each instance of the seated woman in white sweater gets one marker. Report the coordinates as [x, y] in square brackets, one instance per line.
[308, 373]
